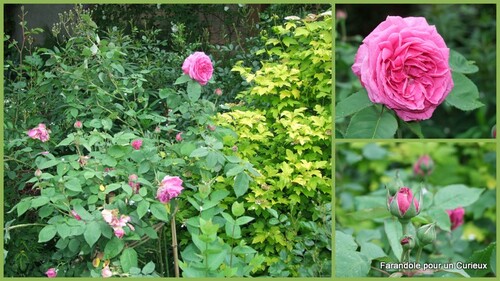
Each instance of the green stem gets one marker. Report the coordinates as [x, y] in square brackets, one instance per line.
[405, 225]
[25, 225]
[419, 253]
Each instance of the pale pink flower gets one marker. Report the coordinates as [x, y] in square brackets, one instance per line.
[136, 144]
[106, 272]
[119, 232]
[218, 92]
[51, 272]
[40, 132]
[78, 124]
[170, 188]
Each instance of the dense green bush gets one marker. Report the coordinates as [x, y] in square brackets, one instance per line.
[284, 128]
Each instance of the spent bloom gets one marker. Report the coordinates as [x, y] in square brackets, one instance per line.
[136, 144]
[403, 64]
[456, 217]
[111, 217]
[40, 132]
[132, 181]
[51, 272]
[199, 67]
[424, 166]
[170, 188]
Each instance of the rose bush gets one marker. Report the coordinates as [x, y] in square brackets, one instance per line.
[403, 64]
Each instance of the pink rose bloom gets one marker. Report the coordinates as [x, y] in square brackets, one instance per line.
[424, 166]
[136, 144]
[106, 272]
[403, 64]
[170, 187]
[456, 217]
[51, 272]
[178, 137]
[40, 133]
[76, 215]
[199, 67]
[119, 232]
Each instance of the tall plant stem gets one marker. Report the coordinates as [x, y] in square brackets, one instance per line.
[419, 253]
[174, 243]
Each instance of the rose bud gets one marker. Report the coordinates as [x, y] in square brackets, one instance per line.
[38, 173]
[424, 166]
[405, 205]
[456, 217]
[426, 234]
[407, 242]
[75, 215]
[218, 91]
[78, 124]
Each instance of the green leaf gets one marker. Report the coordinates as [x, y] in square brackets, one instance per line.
[92, 233]
[73, 184]
[465, 94]
[241, 183]
[48, 164]
[348, 261]
[372, 251]
[47, 233]
[183, 79]
[459, 63]
[243, 220]
[199, 152]
[148, 268]
[233, 230]
[63, 229]
[370, 123]
[441, 218]
[128, 259]
[39, 201]
[456, 195]
[117, 151]
[481, 257]
[118, 67]
[144, 167]
[23, 206]
[158, 210]
[237, 209]
[238, 169]
[142, 208]
[415, 128]
[394, 232]
[193, 90]
[352, 104]
[113, 247]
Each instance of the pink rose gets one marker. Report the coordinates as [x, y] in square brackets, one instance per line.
[218, 91]
[119, 232]
[136, 144]
[51, 272]
[40, 132]
[403, 64]
[424, 166]
[178, 137]
[199, 67]
[456, 217]
[78, 124]
[170, 187]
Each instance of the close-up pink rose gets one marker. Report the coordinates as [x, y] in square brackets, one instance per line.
[456, 217]
[170, 187]
[199, 67]
[40, 132]
[136, 144]
[403, 64]
[51, 272]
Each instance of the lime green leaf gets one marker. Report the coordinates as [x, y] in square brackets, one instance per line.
[352, 104]
[465, 94]
[370, 123]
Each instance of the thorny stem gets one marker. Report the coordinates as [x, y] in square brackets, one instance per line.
[174, 242]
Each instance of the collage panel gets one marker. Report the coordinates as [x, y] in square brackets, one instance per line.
[415, 209]
[415, 71]
[162, 140]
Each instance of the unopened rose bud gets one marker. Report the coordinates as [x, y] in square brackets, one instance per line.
[456, 217]
[234, 148]
[178, 137]
[78, 124]
[426, 234]
[38, 173]
[132, 177]
[211, 127]
[404, 205]
[218, 91]
[407, 242]
[76, 215]
[424, 166]
[157, 130]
